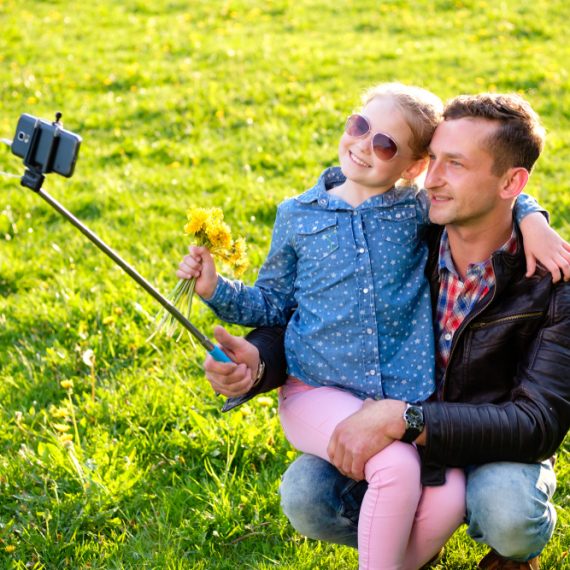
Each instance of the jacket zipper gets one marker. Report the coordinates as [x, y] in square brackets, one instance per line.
[507, 319]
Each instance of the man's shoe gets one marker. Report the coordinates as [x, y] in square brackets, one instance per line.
[433, 561]
[494, 561]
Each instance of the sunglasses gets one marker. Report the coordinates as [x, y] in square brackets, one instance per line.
[384, 147]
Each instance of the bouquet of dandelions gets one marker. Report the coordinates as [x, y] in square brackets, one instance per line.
[207, 227]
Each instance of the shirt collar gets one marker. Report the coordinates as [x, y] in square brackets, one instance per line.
[332, 177]
[445, 261]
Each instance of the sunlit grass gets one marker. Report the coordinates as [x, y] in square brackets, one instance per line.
[235, 104]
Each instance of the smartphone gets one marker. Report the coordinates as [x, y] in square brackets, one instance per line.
[46, 146]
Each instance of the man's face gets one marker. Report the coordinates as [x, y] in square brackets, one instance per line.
[462, 188]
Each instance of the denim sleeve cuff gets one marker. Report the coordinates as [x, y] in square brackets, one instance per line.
[221, 294]
[526, 205]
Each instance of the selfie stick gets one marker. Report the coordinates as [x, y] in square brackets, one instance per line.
[33, 179]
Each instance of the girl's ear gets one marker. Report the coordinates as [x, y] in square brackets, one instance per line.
[415, 169]
[514, 181]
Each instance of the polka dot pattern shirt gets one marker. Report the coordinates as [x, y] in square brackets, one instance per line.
[353, 280]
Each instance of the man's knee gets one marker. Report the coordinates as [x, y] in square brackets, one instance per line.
[317, 500]
[508, 507]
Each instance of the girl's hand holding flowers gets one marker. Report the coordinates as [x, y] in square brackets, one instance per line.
[199, 264]
[197, 272]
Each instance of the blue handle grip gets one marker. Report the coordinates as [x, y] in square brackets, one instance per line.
[218, 354]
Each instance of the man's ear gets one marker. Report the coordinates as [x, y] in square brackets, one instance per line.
[415, 169]
[513, 183]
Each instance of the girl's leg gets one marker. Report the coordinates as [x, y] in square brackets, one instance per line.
[440, 512]
[309, 418]
[389, 507]
[309, 415]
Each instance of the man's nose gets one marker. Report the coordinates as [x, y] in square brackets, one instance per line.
[433, 175]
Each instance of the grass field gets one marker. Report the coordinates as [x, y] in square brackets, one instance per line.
[236, 104]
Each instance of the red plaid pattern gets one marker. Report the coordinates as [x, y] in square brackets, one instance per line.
[457, 298]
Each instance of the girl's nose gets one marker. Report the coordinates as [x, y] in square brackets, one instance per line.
[364, 144]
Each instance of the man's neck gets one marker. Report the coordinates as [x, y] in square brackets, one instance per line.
[475, 245]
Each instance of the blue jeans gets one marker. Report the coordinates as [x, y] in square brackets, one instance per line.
[508, 504]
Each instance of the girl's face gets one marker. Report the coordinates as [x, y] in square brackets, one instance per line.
[358, 161]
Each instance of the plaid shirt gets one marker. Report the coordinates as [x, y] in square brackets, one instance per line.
[457, 298]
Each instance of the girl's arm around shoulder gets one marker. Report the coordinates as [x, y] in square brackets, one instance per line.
[544, 246]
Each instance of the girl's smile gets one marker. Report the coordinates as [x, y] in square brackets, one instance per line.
[357, 160]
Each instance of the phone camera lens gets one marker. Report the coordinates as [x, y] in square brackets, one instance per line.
[21, 136]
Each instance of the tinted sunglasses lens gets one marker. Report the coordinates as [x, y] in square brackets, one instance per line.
[357, 126]
[384, 147]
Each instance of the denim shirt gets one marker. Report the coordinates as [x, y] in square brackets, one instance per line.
[353, 279]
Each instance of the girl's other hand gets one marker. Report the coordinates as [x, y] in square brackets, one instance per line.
[543, 245]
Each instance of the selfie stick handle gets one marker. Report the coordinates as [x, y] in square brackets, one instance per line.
[215, 351]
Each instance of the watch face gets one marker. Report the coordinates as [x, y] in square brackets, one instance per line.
[414, 417]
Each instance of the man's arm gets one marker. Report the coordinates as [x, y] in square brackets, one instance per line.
[528, 427]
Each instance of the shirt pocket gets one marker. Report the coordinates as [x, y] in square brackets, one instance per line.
[317, 238]
[398, 225]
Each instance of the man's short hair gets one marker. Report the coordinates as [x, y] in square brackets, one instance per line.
[519, 138]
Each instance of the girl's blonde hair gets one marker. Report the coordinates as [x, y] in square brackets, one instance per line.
[422, 110]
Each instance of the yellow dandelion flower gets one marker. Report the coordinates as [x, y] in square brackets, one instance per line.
[59, 413]
[207, 228]
[196, 220]
[238, 256]
[219, 237]
[265, 401]
[9, 548]
[67, 384]
[240, 268]
[216, 214]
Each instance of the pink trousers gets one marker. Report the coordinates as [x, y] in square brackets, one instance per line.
[402, 525]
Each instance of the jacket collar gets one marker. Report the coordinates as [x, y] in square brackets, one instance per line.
[506, 265]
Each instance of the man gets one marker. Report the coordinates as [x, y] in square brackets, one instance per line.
[502, 406]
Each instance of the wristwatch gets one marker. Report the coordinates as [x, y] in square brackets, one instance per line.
[414, 420]
[259, 374]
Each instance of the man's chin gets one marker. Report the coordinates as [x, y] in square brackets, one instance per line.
[439, 219]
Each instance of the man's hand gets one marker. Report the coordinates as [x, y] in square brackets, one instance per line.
[232, 378]
[365, 433]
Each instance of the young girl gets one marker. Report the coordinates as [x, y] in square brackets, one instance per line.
[345, 273]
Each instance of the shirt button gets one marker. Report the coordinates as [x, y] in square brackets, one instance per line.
[361, 250]
[365, 290]
[369, 331]
[448, 336]
[372, 372]
[322, 202]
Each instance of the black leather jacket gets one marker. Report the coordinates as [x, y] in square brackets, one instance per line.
[505, 395]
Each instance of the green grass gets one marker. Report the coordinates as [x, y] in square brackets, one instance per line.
[236, 104]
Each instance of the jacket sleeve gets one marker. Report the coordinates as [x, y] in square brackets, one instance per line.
[270, 343]
[528, 428]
